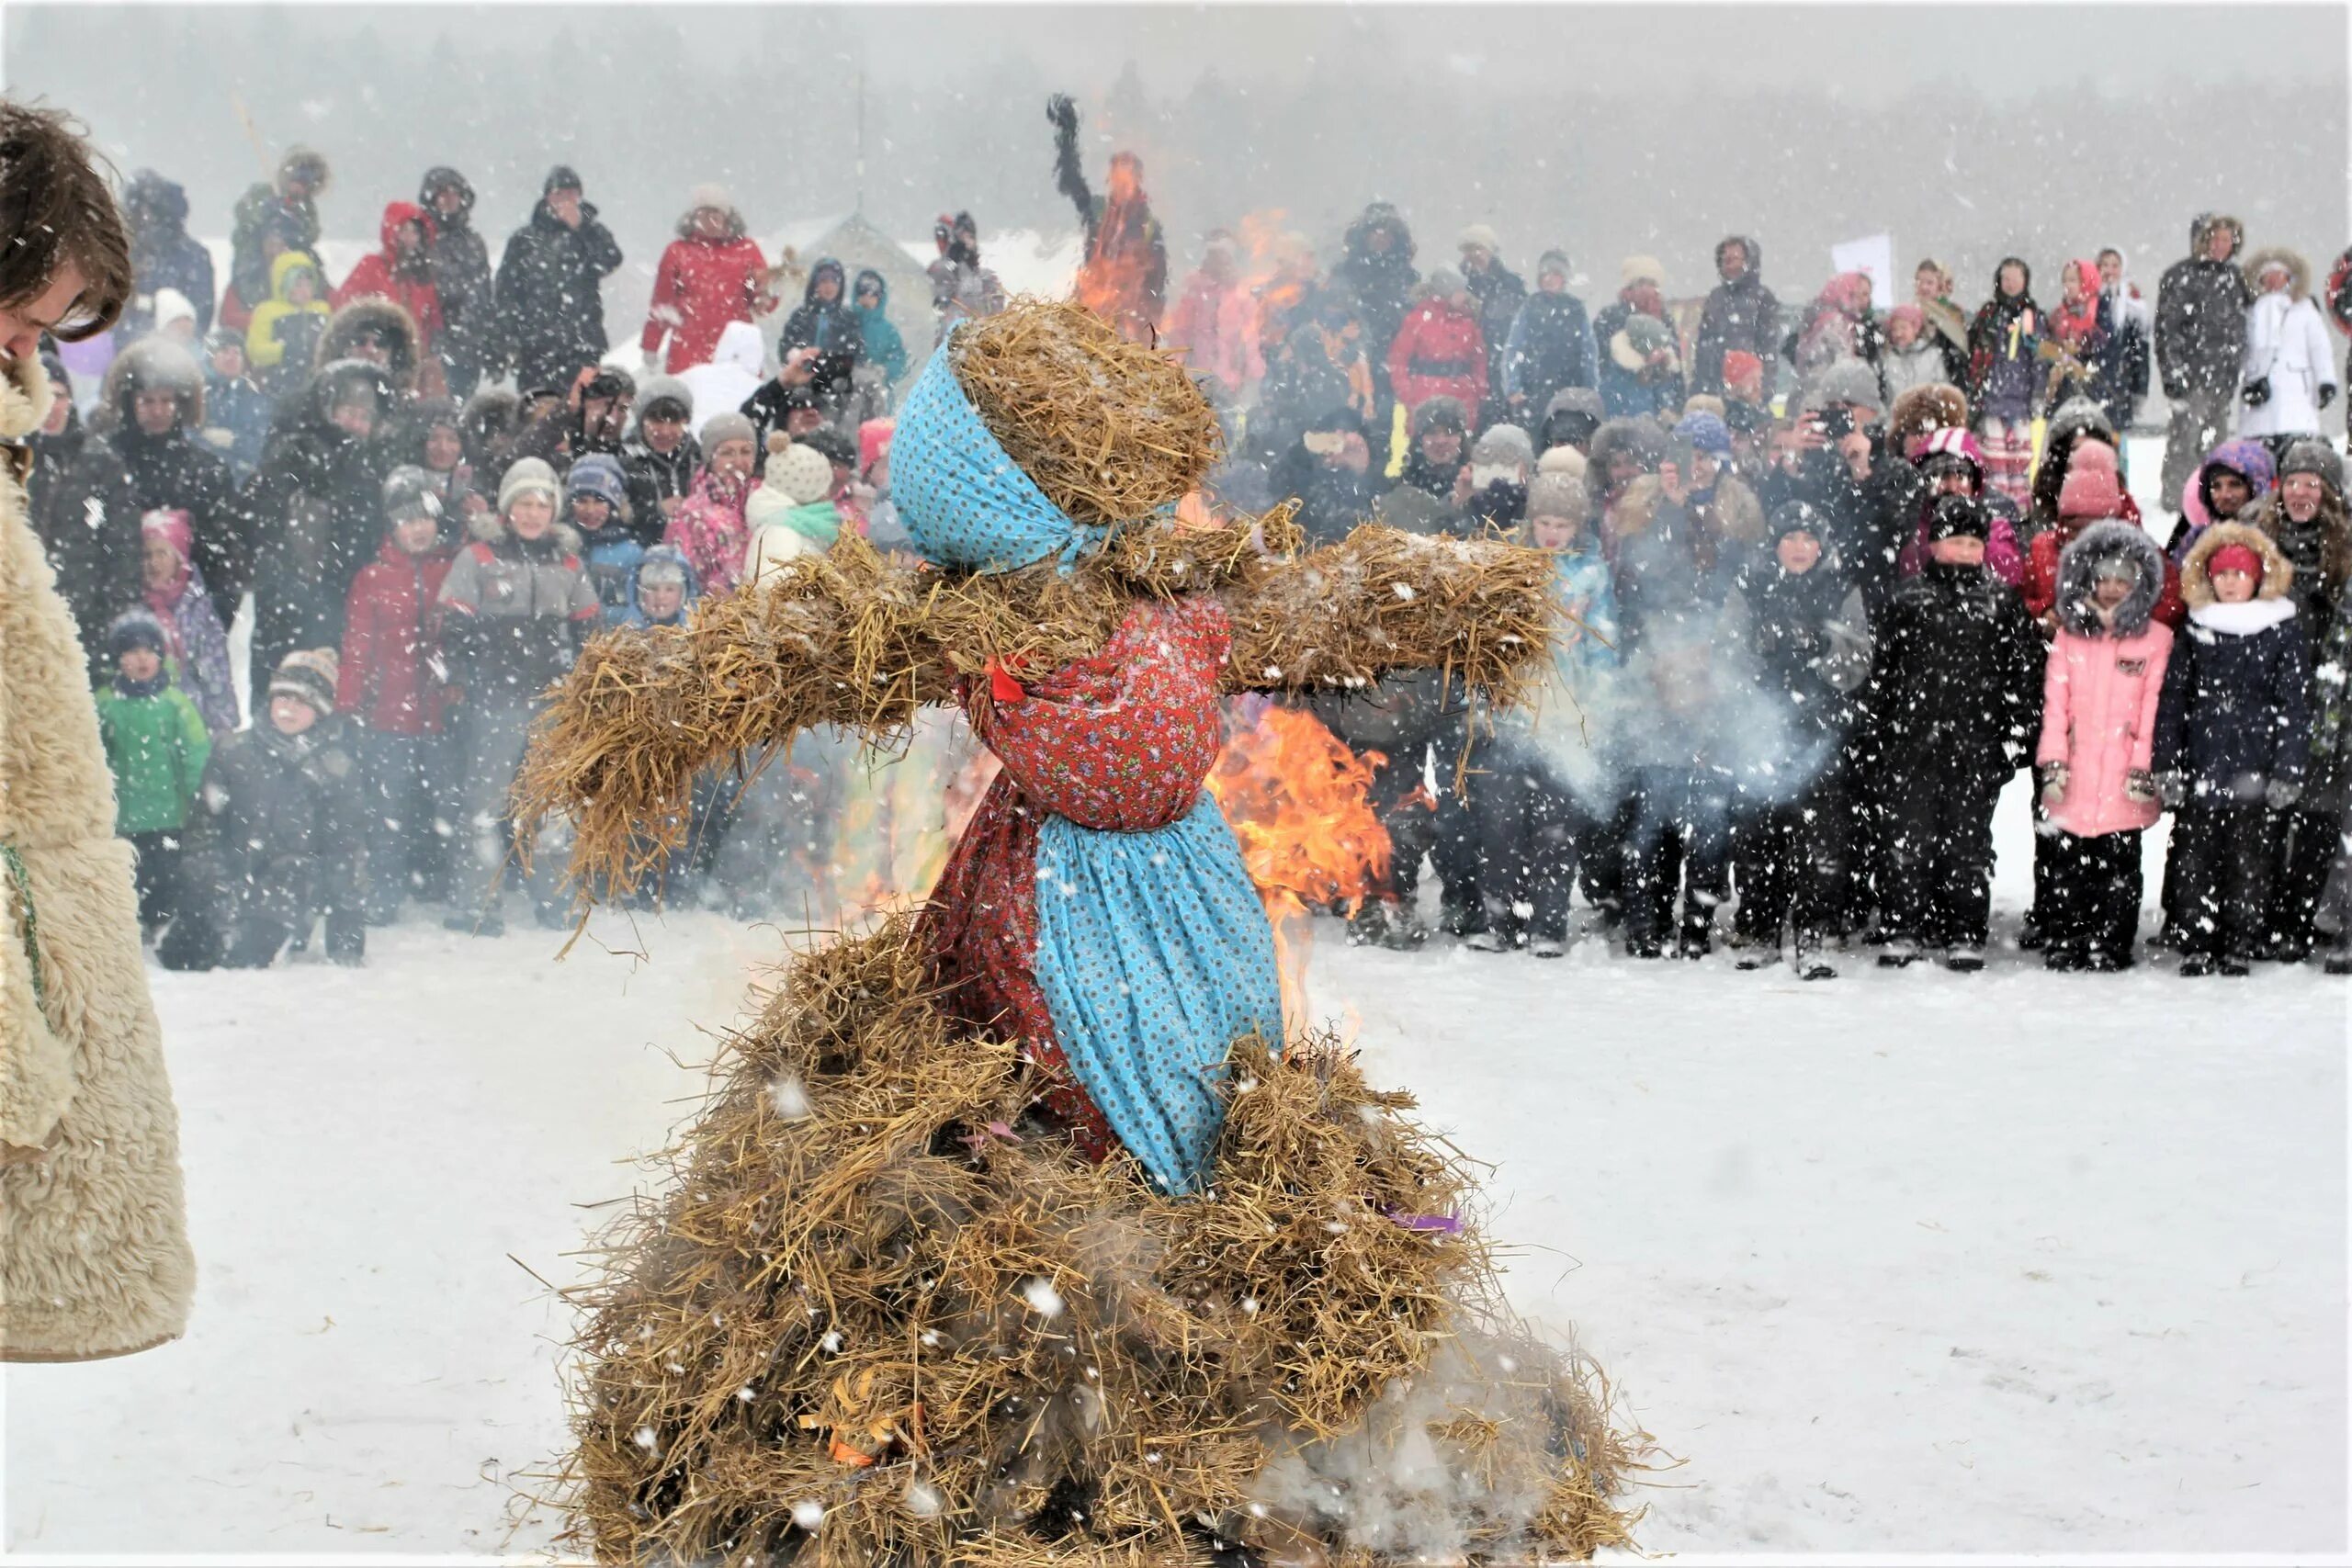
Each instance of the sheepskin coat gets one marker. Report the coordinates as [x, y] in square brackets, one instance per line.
[94, 1253]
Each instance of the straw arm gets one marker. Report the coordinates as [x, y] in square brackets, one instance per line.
[1381, 602]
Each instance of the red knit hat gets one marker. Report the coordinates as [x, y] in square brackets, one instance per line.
[2091, 489]
[2235, 558]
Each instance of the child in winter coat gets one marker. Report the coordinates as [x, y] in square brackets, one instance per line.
[2232, 741]
[596, 502]
[283, 336]
[279, 834]
[236, 411]
[791, 512]
[1948, 715]
[1529, 820]
[157, 747]
[1790, 830]
[391, 682]
[193, 634]
[515, 606]
[708, 526]
[2099, 694]
[662, 590]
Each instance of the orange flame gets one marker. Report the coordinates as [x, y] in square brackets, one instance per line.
[1298, 800]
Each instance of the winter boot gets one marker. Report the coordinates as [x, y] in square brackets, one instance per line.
[1812, 966]
[1548, 946]
[1964, 960]
[2232, 966]
[2030, 937]
[2196, 965]
[1898, 954]
[1754, 952]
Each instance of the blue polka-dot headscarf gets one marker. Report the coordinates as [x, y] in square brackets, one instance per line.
[965, 502]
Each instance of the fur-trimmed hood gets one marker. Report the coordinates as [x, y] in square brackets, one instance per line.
[155, 364]
[331, 381]
[2299, 271]
[2197, 573]
[373, 316]
[2203, 224]
[2078, 567]
[1645, 439]
[1755, 273]
[1736, 513]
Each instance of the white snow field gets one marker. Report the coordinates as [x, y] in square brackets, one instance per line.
[1899, 1262]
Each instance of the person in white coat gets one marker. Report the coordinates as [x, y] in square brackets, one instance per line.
[2290, 368]
[731, 376]
[792, 512]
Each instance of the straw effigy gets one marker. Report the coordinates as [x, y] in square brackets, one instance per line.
[880, 1318]
[880, 1313]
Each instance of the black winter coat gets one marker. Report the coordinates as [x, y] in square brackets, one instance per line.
[652, 479]
[1798, 627]
[174, 471]
[2236, 702]
[463, 277]
[85, 513]
[1556, 351]
[1496, 296]
[2201, 325]
[1955, 682]
[279, 828]
[313, 511]
[163, 255]
[1382, 283]
[1744, 316]
[550, 304]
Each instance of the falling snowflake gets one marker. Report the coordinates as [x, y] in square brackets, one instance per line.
[1043, 1299]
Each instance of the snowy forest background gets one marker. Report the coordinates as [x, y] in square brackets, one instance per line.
[1967, 133]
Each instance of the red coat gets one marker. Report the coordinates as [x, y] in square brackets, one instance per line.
[700, 287]
[2039, 588]
[391, 636]
[1438, 352]
[374, 277]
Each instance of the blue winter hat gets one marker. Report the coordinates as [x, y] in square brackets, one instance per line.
[1705, 431]
[964, 500]
[599, 476]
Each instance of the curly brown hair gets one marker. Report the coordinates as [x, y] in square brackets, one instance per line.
[56, 212]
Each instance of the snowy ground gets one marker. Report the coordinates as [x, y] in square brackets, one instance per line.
[1900, 1262]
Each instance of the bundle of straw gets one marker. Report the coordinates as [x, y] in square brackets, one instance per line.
[879, 1317]
[852, 640]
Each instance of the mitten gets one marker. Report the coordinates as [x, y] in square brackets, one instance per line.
[2257, 392]
[2327, 393]
[2140, 786]
[2054, 783]
[2280, 794]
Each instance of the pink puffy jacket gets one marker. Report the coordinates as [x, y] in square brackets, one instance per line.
[2099, 717]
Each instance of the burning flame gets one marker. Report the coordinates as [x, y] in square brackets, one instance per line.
[1297, 798]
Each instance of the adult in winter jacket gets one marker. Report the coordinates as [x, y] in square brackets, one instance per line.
[1440, 350]
[2099, 694]
[269, 221]
[155, 389]
[1213, 324]
[400, 271]
[1550, 348]
[382, 332]
[429, 436]
[711, 275]
[885, 349]
[962, 290]
[1931, 290]
[1836, 327]
[94, 1253]
[1439, 449]
[1950, 711]
[163, 255]
[1328, 471]
[708, 528]
[825, 320]
[1640, 367]
[2232, 737]
[83, 512]
[1741, 316]
[2288, 376]
[1305, 383]
[2074, 335]
[1123, 276]
[2120, 364]
[2006, 378]
[280, 834]
[463, 281]
[2306, 518]
[282, 337]
[515, 607]
[1680, 536]
[1495, 294]
[660, 457]
[2233, 477]
[549, 288]
[194, 637]
[2200, 342]
[1378, 272]
[311, 510]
